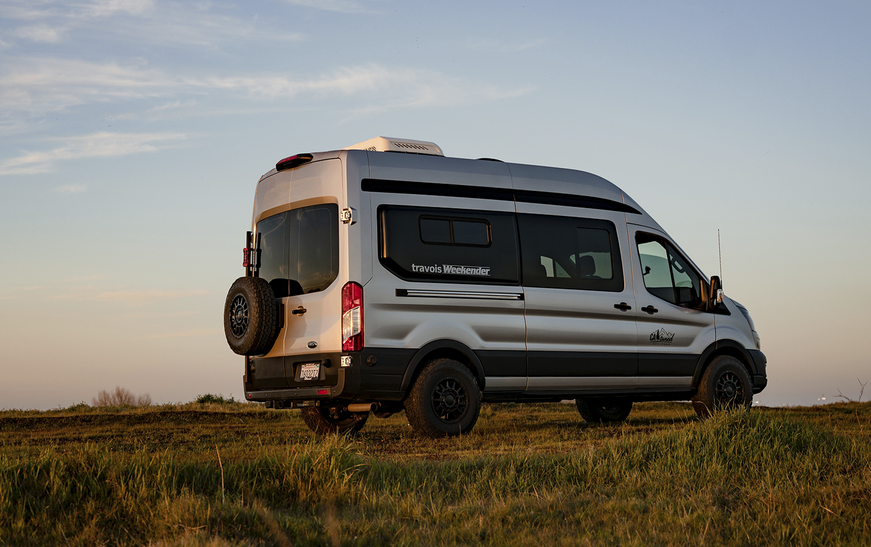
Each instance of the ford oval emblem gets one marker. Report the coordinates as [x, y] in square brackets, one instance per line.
[312, 344]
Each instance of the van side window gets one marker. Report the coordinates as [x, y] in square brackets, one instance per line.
[299, 249]
[454, 245]
[570, 253]
[666, 273]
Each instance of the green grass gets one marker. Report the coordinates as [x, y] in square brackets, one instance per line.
[235, 474]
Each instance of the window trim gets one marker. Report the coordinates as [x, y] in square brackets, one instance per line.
[501, 194]
[451, 220]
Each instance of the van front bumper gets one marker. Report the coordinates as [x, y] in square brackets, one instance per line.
[760, 378]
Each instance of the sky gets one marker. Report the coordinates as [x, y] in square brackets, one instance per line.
[133, 133]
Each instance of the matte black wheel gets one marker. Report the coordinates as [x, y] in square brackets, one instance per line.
[597, 411]
[445, 400]
[325, 420]
[250, 316]
[725, 384]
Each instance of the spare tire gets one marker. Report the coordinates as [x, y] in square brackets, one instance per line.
[250, 316]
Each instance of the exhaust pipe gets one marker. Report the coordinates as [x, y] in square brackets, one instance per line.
[363, 407]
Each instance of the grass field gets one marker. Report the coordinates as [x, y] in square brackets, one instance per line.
[237, 474]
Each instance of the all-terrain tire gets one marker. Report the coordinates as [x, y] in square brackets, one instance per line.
[336, 421]
[250, 316]
[444, 401]
[725, 384]
[596, 411]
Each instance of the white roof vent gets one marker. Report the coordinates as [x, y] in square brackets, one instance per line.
[388, 144]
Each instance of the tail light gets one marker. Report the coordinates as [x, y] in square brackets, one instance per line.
[352, 317]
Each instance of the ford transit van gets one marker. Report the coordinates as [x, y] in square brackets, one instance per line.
[386, 277]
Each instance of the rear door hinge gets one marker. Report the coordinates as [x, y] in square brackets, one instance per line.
[347, 216]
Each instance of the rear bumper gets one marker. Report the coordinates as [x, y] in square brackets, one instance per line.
[278, 378]
[298, 393]
[373, 375]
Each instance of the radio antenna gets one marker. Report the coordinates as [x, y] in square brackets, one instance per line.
[720, 253]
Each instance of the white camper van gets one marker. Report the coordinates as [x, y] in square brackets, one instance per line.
[385, 277]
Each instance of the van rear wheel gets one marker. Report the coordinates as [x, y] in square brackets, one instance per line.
[725, 384]
[444, 401]
[597, 411]
[325, 420]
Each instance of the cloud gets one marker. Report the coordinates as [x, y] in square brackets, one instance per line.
[71, 189]
[379, 88]
[40, 86]
[87, 146]
[40, 33]
[104, 8]
[502, 47]
[139, 22]
[343, 6]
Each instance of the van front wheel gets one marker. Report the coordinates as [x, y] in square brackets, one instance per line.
[325, 420]
[444, 401]
[725, 384]
[597, 411]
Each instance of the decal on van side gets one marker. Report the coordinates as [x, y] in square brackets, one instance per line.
[451, 269]
[661, 337]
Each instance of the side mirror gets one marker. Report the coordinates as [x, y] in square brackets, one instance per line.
[715, 298]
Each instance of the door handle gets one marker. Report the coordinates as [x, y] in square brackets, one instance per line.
[299, 311]
[623, 306]
[649, 309]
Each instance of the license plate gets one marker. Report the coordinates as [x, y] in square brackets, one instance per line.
[310, 371]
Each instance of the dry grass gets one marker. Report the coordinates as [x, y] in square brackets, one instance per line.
[527, 475]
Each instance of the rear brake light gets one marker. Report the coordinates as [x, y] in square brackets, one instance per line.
[352, 317]
[246, 257]
[293, 161]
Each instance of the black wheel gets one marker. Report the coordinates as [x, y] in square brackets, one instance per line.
[325, 420]
[597, 411]
[725, 384]
[250, 316]
[445, 400]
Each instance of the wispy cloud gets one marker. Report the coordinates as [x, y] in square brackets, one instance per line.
[41, 86]
[103, 8]
[140, 21]
[71, 189]
[343, 6]
[88, 146]
[40, 33]
[509, 47]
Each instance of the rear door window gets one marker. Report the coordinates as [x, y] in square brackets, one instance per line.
[299, 249]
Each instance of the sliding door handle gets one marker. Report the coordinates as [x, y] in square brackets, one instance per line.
[623, 306]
